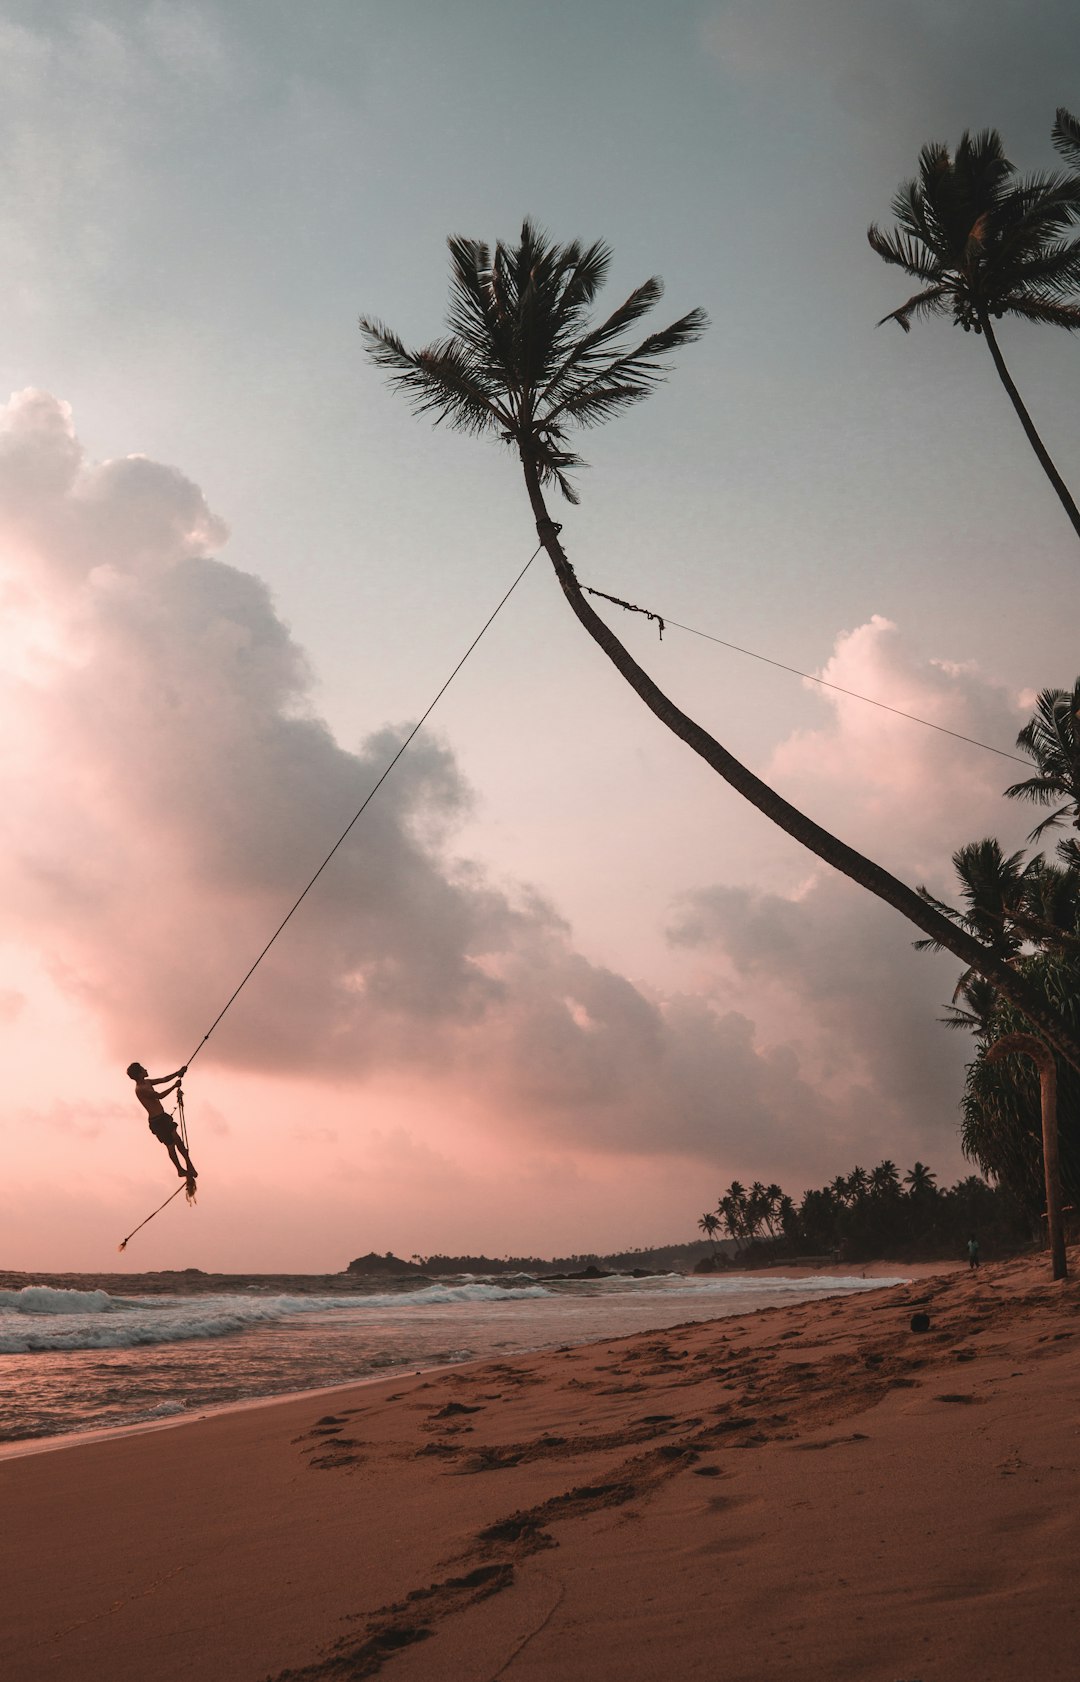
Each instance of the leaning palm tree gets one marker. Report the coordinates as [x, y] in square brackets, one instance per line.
[984, 242]
[524, 363]
[1051, 738]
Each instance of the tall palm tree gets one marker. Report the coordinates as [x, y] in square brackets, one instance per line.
[885, 1179]
[709, 1224]
[524, 363]
[1052, 739]
[984, 242]
[858, 1183]
[839, 1189]
[732, 1209]
[920, 1180]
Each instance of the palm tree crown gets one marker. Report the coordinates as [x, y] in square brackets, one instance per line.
[1052, 738]
[982, 240]
[522, 359]
[920, 1180]
[992, 884]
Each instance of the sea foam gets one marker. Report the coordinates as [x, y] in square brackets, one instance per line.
[39, 1318]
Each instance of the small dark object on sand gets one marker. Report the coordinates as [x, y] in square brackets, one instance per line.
[920, 1322]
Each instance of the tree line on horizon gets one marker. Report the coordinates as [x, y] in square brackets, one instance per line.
[525, 363]
[866, 1215]
[656, 1258]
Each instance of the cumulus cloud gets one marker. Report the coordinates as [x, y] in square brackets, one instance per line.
[905, 790]
[174, 789]
[825, 969]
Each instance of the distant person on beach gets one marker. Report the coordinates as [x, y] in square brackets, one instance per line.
[162, 1125]
[973, 1251]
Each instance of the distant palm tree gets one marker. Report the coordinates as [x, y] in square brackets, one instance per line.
[524, 363]
[858, 1182]
[759, 1209]
[839, 1189]
[733, 1209]
[1052, 739]
[885, 1179]
[709, 1224]
[920, 1180]
[984, 242]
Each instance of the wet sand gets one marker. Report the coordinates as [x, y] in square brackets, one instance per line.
[797, 1495]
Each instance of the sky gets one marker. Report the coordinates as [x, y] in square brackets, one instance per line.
[560, 985]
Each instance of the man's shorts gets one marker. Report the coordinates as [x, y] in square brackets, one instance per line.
[163, 1127]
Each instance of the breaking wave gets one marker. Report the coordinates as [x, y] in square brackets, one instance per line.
[41, 1318]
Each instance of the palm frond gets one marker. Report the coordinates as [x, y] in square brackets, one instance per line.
[1051, 822]
[637, 305]
[1055, 266]
[934, 301]
[905, 252]
[628, 377]
[1066, 136]
[438, 380]
[472, 315]
[1041, 790]
[1048, 310]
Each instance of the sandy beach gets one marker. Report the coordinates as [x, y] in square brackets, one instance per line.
[805, 1493]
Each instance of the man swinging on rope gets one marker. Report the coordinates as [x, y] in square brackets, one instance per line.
[162, 1125]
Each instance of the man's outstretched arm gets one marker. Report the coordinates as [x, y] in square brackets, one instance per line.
[160, 1080]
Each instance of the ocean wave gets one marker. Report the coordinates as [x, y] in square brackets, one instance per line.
[95, 1320]
[43, 1299]
[830, 1284]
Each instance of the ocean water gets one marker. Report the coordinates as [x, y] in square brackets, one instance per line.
[80, 1360]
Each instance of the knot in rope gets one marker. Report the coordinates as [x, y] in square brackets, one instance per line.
[629, 607]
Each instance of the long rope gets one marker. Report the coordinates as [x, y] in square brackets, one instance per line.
[234, 995]
[181, 1121]
[125, 1241]
[693, 631]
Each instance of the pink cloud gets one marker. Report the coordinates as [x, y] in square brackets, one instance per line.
[175, 789]
[908, 794]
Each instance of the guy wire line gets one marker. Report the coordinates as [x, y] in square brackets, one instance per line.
[367, 800]
[809, 676]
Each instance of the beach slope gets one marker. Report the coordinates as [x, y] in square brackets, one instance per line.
[808, 1493]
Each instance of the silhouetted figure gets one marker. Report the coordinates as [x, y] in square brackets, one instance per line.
[162, 1125]
[973, 1251]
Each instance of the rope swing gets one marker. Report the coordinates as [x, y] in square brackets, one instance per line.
[235, 994]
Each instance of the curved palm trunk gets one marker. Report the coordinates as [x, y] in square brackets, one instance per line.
[780, 811]
[1064, 495]
[1043, 1059]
